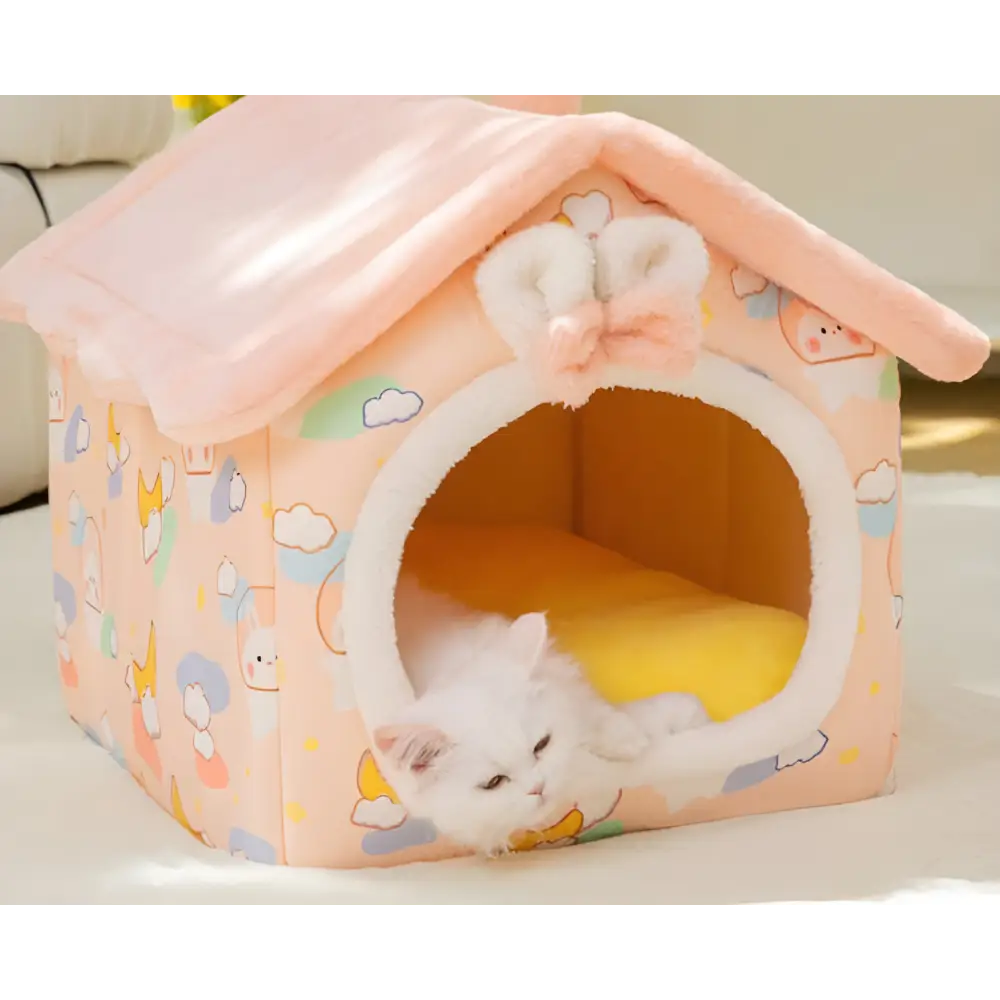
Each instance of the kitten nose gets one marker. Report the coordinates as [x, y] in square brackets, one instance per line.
[537, 790]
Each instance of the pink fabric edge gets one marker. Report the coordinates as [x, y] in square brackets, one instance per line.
[550, 104]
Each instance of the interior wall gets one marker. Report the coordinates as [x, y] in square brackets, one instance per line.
[669, 482]
[668, 460]
[685, 487]
[523, 474]
[769, 527]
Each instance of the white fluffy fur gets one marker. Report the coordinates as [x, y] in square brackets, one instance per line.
[532, 276]
[489, 691]
[669, 254]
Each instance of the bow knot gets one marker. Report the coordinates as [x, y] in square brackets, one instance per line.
[570, 307]
[641, 329]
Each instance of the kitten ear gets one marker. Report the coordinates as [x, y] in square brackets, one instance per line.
[414, 746]
[528, 637]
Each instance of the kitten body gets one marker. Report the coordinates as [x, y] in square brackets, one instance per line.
[505, 732]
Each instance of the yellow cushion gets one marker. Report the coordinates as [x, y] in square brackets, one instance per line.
[637, 632]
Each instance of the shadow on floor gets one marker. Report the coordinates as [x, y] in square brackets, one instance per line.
[35, 500]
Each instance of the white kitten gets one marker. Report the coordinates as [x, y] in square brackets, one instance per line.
[505, 733]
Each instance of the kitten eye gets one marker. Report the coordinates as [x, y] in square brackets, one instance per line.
[542, 744]
[259, 659]
[495, 782]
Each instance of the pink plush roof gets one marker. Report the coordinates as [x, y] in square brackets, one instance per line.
[227, 277]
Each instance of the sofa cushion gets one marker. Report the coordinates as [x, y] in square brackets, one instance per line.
[21, 217]
[23, 359]
[64, 190]
[43, 132]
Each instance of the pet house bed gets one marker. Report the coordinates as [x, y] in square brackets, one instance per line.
[254, 398]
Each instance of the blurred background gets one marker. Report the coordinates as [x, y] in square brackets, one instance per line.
[911, 182]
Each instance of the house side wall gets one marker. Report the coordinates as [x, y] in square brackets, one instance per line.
[163, 585]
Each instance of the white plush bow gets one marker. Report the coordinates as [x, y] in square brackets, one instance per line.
[570, 307]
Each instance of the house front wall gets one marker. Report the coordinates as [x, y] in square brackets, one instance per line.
[342, 812]
[260, 528]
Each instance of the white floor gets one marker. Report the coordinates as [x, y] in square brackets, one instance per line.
[74, 827]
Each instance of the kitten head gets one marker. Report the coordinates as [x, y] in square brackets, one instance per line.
[493, 752]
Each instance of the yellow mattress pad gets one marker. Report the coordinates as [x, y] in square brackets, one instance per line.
[637, 632]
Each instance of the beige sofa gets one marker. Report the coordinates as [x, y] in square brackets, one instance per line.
[56, 154]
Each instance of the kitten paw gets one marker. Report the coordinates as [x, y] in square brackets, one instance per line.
[666, 714]
[619, 737]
